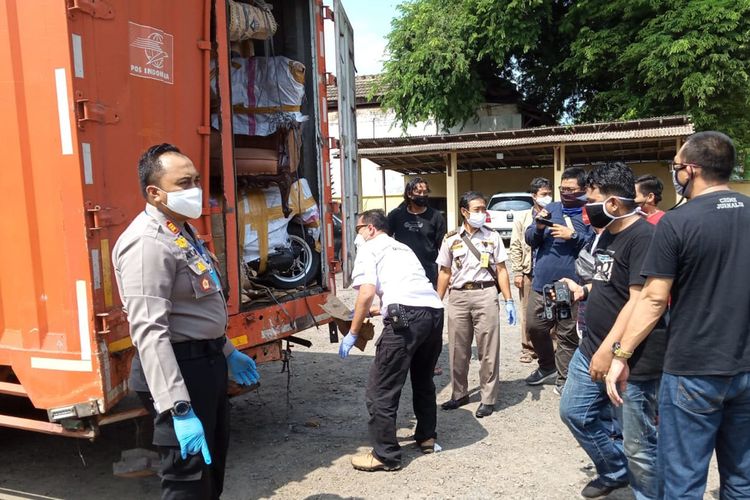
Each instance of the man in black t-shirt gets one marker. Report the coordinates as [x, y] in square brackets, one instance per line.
[610, 298]
[419, 226]
[699, 254]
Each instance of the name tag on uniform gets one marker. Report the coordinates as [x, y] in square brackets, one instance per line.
[484, 261]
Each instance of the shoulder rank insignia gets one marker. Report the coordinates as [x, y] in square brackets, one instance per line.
[450, 234]
[172, 227]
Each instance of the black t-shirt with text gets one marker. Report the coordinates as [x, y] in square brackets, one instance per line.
[704, 246]
[423, 233]
[618, 260]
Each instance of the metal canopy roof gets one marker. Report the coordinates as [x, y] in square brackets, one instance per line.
[651, 139]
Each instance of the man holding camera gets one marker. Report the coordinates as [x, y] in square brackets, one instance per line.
[556, 239]
[411, 340]
[472, 264]
[610, 298]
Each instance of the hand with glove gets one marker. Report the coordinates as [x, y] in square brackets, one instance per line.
[191, 437]
[510, 309]
[242, 368]
[346, 344]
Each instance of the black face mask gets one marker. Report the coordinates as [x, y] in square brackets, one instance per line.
[597, 217]
[420, 201]
[573, 200]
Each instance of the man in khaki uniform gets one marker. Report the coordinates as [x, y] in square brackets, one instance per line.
[473, 307]
[521, 261]
[171, 291]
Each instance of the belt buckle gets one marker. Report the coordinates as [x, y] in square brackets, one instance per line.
[469, 286]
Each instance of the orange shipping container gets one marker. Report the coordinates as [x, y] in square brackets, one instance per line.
[86, 86]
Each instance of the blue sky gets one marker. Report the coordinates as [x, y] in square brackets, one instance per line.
[371, 20]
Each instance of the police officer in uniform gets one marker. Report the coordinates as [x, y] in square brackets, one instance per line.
[411, 340]
[473, 307]
[170, 289]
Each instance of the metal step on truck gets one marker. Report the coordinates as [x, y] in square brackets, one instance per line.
[86, 87]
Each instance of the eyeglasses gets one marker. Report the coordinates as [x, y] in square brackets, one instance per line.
[359, 226]
[420, 192]
[674, 166]
[566, 190]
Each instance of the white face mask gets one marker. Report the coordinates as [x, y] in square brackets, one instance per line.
[476, 219]
[188, 202]
[543, 201]
[359, 241]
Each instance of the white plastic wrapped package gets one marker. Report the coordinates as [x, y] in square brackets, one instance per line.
[266, 92]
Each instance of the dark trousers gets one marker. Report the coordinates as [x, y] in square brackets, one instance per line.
[540, 328]
[415, 349]
[206, 380]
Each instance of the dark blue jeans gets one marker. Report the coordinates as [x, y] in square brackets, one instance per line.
[587, 411]
[639, 431]
[696, 415]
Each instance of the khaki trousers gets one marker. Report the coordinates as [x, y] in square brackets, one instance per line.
[474, 313]
[523, 293]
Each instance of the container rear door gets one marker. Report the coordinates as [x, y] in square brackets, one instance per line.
[140, 77]
[347, 109]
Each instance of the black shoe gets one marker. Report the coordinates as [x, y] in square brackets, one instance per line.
[539, 377]
[484, 410]
[597, 488]
[452, 404]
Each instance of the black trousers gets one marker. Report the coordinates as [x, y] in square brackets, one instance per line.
[204, 369]
[539, 329]
[416, 350]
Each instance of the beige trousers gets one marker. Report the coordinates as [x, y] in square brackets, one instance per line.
[474, 313]
[523, 293]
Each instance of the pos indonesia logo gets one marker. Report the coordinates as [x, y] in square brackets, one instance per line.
[151, 53]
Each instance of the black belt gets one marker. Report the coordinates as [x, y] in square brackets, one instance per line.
[476, 285]
[193, 349]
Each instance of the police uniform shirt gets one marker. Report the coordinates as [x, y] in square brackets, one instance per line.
[171, 294]
[464, 266]
[396, 272]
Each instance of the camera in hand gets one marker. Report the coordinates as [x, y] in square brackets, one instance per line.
[558, 301]
[544, 222]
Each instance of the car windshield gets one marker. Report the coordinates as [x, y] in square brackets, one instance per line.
[511, 204]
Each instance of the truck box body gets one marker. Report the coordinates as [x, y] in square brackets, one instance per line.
[86, 87]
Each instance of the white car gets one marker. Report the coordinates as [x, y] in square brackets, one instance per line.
[501, 211]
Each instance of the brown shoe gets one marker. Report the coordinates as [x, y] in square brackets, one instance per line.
[369, 463]
[526, 357]
[427, 446]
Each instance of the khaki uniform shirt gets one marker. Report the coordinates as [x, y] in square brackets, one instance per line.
[170, 296]
[519, 250]
[465, 268]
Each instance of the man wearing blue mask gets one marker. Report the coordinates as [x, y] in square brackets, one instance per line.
[555, 247]
[170, 288]
[610, 298]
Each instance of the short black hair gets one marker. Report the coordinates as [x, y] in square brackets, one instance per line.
[650, 184]
[412, 184]
[538, 183]
[613, 179]
[577, 173]
[149, 165]
[468, 197]
[376, 217]
[713, 151]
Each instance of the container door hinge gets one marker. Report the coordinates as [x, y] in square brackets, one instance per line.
[89, 111]
[97, 9]
[328, 13]
[105, 321]
[99, 218]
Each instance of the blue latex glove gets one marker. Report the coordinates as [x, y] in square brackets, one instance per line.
[510, 308]
[346, 344]
[190, 434]
[242, 368]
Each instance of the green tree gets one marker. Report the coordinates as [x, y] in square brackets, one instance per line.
[580, 60]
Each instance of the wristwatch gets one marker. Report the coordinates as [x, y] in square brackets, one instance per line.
[574, 236]
[619, 352]
[181, 408]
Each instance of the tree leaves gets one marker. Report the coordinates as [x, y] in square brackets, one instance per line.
[583, 60]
